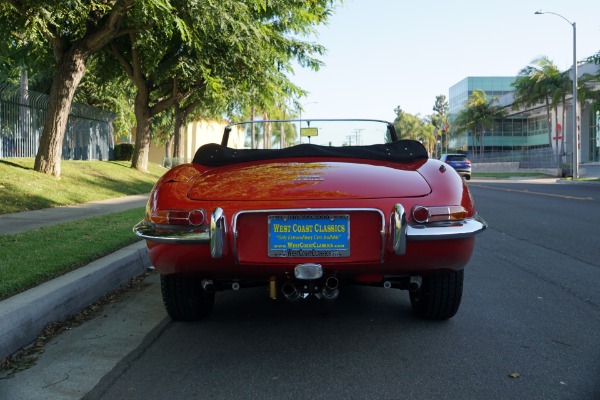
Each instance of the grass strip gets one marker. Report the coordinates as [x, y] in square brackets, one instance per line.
[31, 258]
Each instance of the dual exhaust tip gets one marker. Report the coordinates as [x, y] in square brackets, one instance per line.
[329, 291]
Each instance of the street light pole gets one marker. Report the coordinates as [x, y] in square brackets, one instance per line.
[575, 132]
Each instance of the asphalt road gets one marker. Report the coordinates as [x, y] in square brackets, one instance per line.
[528, 327]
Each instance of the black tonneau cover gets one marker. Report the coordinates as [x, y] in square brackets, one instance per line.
[403, 151]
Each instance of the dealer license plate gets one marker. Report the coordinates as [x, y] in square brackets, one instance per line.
[309, 235]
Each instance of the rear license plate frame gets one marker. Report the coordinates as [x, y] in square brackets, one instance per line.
[308, 235]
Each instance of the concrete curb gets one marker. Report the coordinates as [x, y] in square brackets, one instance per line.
[26, 314]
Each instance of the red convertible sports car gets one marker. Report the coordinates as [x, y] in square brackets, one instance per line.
[321, 205]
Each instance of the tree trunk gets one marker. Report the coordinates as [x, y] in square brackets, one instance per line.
[68, 74]
[267, 132]
[481, 142]
[549, 121]
[178, 147]
[252, 137]
[143, 118]
[169, 152]
[24, 110]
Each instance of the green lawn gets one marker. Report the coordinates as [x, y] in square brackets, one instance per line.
[30, 258]
[22, 189]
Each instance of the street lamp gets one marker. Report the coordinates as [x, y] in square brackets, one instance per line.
[575, 133]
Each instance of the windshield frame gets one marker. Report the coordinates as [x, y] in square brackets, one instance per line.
[390, 126]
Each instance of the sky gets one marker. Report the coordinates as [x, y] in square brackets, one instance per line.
[387, 53]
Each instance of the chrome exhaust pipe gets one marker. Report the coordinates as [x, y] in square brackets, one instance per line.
[208, 285]
[330, 290]
[415, 283]
[290, 292]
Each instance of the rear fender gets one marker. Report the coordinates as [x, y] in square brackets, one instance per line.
[448, 187]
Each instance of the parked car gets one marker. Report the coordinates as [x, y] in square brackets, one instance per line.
[459, 162]
[346, 203]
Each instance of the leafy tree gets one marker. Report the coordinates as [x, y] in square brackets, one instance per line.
[413, 127]
[229, 54]
[18, 67]
[440, 119]
[105, 86]
[75, 31]
[478, 115]
[149, 61]
[585, 88]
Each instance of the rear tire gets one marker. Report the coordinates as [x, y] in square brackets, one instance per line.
[185, 299]
[439, 296]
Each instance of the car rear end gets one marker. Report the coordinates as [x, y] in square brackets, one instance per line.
[460, 163]
[307, 224]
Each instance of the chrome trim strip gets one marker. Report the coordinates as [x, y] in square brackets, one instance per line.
[398, 227]
[447, 230]
[296, 210]
[218, 233]
[152, 232]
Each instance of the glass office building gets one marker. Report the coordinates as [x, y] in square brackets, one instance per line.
[523, 135]
[493, 86]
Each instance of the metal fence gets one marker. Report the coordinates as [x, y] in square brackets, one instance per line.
[544, 157]
[89, 133]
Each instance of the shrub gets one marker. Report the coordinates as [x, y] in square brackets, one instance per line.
[123, 152]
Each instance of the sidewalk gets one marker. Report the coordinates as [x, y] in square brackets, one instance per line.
[23, 316]
[11, 224]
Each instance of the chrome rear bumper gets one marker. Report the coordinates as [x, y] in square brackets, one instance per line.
[447, 230]
[157, 233]
[400, 231]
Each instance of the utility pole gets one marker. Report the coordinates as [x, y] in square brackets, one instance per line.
[357, 134]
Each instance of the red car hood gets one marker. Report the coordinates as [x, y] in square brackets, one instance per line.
[304, 181]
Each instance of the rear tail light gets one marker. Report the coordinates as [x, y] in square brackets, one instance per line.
[180, 217]
[196, 217]
[422, 214]
[468, 162]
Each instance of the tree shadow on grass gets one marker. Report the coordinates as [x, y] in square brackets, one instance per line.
[120, 164]
[15, 165]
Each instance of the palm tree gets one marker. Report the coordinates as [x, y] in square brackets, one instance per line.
[440, 119]
[478, 115]
[540, 82]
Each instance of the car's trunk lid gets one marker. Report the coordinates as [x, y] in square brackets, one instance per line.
[307, 181]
